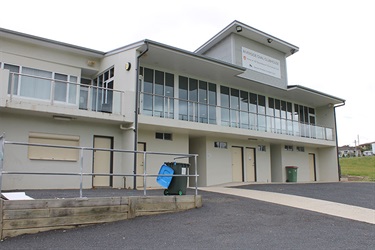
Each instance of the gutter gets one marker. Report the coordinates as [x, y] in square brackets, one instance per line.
[337, 146]
[136, 112]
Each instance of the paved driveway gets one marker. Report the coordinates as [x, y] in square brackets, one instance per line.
[224, 222]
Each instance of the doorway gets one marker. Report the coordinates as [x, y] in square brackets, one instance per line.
[312, 167]
[102, 162]
[251, 173]
[140, 165]
[237, 164]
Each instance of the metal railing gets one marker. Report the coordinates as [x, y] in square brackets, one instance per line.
[79, 96]
[176, 108]
[81, 172]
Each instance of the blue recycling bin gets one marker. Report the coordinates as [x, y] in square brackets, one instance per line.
[165, 181]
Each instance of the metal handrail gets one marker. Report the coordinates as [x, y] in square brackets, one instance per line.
[295, 130]
[81, 173]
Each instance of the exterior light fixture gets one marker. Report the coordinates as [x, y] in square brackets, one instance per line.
[269, 40]
[238, 28]
[128, 66]
[292, 51]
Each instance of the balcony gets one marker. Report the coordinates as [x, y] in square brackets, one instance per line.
[174, 108]
[58, 93]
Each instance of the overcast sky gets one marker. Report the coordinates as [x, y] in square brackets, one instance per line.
[336, 38]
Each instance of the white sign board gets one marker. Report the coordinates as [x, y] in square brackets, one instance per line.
[261, 63]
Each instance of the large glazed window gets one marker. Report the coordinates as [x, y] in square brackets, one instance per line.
[157, 93]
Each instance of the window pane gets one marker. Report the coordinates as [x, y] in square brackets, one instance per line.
[193, 90]
[73, 90]
[36, 87]
[224, 96]
[212, 93]
[183, 88]
[234, 99]
[244, 105]
[159, 83]
[13, 77]
[261, 104]
[253, 103]
[60, 87]
[169, 84]
[202, 92]
[148, 81]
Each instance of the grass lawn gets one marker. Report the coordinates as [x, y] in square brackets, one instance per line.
[359, 166]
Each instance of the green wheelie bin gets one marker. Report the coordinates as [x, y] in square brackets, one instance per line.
[291, 174]
[178, 184]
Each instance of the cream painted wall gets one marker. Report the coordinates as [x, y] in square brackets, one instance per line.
[276, 164]
[219, 161]
[328, 165]
[16, 159]
[179, 145]
[64, 58]
[198, 146]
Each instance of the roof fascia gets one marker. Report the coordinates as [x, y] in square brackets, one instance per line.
[22, 36]
[192, 54]
[291, 87]
[229, 30]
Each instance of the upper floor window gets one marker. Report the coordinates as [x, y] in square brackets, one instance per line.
[37, 84]
[197, 100]
[158, 93]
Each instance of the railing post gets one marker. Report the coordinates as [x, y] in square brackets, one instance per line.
[12, 87]
[81, 173]
[196, 174]
[2, 142]
[52, 91]
[144, 173]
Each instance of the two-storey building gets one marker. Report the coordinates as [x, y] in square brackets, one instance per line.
[229, 101]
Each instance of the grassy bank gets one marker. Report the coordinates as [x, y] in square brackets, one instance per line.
[359, 166]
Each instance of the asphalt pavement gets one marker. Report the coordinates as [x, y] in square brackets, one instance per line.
[224, 222]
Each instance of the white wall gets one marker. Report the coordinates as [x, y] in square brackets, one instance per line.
[179, 145]
[328, 165]
[17, 128]
[276, 164]
[198, 146]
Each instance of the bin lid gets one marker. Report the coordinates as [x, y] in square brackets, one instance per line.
[291, 167]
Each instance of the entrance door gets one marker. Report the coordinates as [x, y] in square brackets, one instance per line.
[237, 166]
[102, 161]
[250, 164]
[312, 167]
[140, 164]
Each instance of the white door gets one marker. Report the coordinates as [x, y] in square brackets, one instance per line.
[237, 166]
[102, 162]
[140, 164]
[250, 164]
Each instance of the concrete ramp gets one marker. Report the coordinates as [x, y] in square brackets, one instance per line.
[15, 196]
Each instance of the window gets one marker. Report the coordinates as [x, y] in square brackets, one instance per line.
[262, 148]
[158, 93]
[220, 144]
[37, 84]
[288, 147]
[102, 96]
[51, 153]
[197, 100]
[163, 136]
[300, 149]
